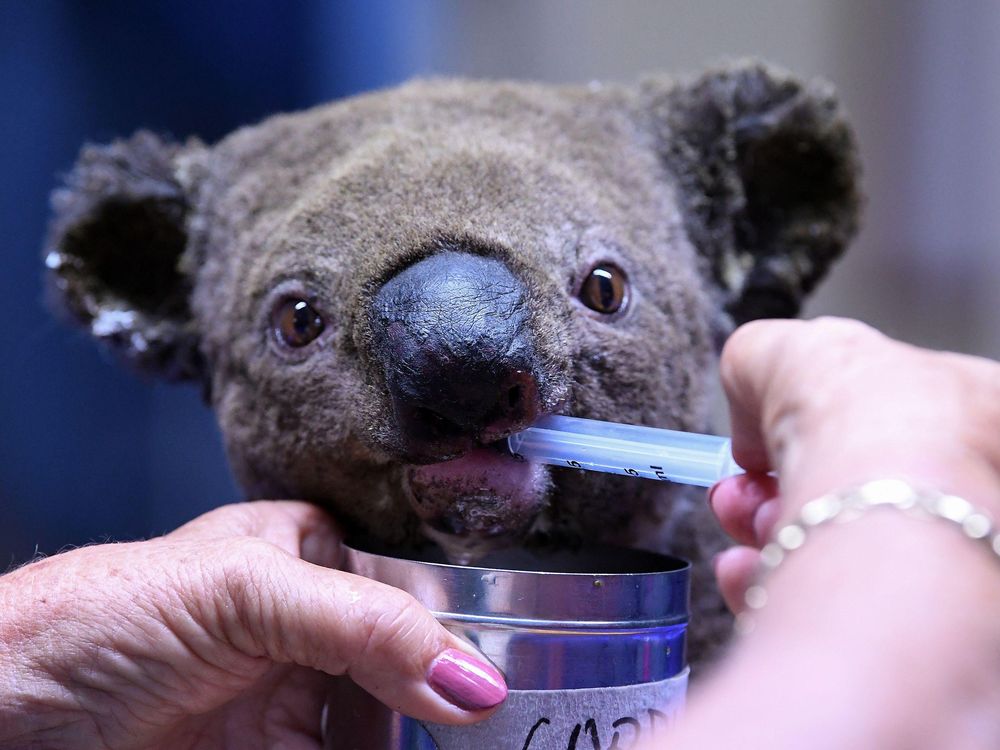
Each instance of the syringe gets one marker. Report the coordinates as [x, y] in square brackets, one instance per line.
[668, 455]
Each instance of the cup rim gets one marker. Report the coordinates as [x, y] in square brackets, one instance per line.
[520, 561]
[656, 595]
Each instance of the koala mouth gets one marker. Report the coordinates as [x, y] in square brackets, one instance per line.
[482, 501]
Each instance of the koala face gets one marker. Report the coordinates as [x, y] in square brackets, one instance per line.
[449, 305]
[377, 292]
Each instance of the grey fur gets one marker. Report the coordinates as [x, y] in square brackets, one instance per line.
[720, 197]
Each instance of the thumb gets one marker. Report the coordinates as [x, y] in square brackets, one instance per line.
[272, 604]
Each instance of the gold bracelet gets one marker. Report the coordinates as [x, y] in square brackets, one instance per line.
[846, 505]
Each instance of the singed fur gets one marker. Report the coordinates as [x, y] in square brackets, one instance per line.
[722, 198]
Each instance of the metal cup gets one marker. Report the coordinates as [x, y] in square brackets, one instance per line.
[591, 659]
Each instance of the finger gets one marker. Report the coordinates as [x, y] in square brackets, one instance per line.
[270, 604]
[765, 520]
[747, 369]
[299, 528]
[786, 379]
[737, 500]
[735, 569]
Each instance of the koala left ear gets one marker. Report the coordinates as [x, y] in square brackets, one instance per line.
[767, 176]
[114, 252]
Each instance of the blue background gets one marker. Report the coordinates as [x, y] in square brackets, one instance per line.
[89, 451]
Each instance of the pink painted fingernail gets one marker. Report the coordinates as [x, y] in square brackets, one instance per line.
[466, 682]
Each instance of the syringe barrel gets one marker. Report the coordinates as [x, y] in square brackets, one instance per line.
[633, 450]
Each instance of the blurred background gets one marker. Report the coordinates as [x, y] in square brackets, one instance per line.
[90, 452]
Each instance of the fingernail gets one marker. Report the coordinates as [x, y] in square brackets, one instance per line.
[466, 682]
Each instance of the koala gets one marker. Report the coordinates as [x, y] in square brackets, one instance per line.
[376, 292]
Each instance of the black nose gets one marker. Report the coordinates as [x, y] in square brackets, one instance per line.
[452, 335]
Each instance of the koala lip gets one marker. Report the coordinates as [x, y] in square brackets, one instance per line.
[481, 501]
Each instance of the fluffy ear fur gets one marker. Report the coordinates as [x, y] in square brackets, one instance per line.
[114, 249]
[768, 181]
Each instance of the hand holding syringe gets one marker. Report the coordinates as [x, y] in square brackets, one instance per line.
[649, 452]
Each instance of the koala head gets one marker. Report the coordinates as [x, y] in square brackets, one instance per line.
[376, 292]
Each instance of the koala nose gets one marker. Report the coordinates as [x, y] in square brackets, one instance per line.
[453, 338]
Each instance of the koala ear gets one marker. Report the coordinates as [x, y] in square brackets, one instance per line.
[767, 175]
[114, 252]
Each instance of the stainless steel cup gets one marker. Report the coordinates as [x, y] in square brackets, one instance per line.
[592, 659]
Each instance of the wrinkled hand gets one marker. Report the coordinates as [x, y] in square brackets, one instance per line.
[220, 634]
[831, 403]
[879, 633]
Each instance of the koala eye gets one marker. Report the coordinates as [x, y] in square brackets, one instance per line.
[296, 323]
[604, 289]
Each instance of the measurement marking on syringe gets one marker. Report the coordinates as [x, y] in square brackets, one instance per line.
[658, 471]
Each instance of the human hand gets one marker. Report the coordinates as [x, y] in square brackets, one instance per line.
[220, 634]
[880, 633]
[831, 403]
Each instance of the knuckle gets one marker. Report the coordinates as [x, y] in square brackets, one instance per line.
[827, 352]
[246, 556]
[832, 331]
[744, 336]
[751, 349]
[241, 577]
[749, 337]
[395, 623]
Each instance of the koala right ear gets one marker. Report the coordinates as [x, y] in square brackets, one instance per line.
[114, 252]
[768, 180]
